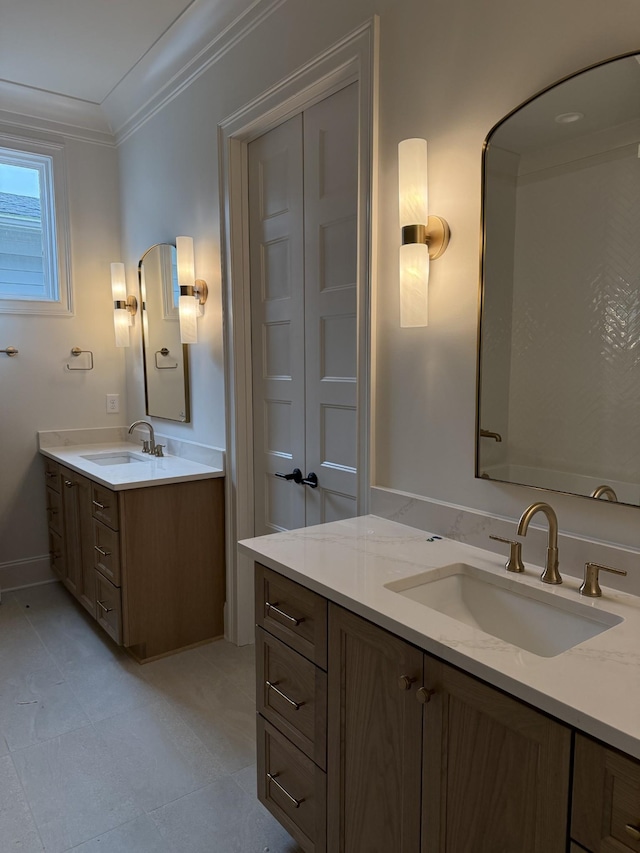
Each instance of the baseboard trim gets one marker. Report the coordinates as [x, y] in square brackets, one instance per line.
[22, 573]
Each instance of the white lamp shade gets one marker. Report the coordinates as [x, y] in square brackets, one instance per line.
[414, 285]
[121, 325]
[188, 312]
[184, 260]
[412, 182]
[118, 282]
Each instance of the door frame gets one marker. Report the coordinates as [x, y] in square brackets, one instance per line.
[353, 59]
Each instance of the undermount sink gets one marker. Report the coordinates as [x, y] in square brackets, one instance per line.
[532, 619]
[120, 457]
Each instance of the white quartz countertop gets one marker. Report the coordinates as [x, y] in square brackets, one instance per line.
[149, 471]
[594, 686]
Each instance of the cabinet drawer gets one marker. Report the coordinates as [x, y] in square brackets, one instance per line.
[56, 553]
[292, 613]
[54, 511]
[52, 474]
[291, 692]
[292, 788]
[105, 505]
[606, 799]
[106, 551]
[108, 607]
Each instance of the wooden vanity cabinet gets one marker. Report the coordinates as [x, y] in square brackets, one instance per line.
[147, 563]
[606, 799]
[420, 756]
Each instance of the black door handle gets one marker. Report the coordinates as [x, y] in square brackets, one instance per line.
[295, 475]
[310, 480]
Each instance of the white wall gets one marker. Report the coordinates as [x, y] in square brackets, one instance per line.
[36, 390]
[448, 71]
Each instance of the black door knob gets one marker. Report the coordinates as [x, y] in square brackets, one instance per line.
[310, 480]
[295, 475]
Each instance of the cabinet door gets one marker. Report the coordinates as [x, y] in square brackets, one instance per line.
[495, 771]
[374, 739]
[606, 799]
[79, 576]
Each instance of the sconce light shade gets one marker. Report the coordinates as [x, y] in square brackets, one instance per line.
[193, 292]
[413, 186]
[414, 285]
[424, 237]
[121, 314]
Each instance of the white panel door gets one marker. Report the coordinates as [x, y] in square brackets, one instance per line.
[330, 262]
[303, 194]
[277, 323]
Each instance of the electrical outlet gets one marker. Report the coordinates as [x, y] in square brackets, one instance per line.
[113, 403]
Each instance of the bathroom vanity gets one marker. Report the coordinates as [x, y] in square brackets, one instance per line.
[139, 542]
[388, 724]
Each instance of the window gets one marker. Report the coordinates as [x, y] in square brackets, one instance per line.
[33, 232]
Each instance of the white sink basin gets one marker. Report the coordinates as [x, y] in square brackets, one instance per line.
[119, 457]
[532, 619]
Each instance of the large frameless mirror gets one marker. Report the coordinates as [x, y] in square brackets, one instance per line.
[559, 351]
[166, 359]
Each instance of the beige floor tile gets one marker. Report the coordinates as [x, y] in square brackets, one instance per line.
[74, 788]
[237, 663]
[221, 818]
[222, 716]
[17, 828]
[138, 836]
[37, 706]
[107, 688]
[21, 650]
[158, 754]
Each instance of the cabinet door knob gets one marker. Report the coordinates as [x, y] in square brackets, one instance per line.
[423, 695]
[405, 682]
[633, 831]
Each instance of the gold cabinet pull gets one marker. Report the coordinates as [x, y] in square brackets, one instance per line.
[405, 682]
[99, 505]
[100, 551]
[423, 695]
[104, 606]
[274, 686]
[284, 615]
[272, 778]
[633, 831]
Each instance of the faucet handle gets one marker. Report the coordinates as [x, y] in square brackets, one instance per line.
[145, 445]
[514, 563]
[157, 450]
[590, 585]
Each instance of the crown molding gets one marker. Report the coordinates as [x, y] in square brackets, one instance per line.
[203, 34]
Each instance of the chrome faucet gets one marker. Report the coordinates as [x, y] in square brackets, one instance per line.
[551, 573]
[148, 446]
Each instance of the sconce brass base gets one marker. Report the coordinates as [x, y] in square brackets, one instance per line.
[436, 234]
[130, 304]
[201, 290]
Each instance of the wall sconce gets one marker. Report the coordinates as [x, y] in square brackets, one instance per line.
[424, 237]
[124, 307]
[193, 291]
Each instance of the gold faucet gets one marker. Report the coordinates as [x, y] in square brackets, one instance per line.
[551, 573]
[605, 492]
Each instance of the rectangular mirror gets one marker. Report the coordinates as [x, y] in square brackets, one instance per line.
[166, 359]
[559, 353]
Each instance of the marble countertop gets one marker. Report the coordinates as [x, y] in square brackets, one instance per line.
[149, 471]
[594, 686]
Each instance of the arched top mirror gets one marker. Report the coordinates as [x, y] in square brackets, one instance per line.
[559, 346]
[166, 359]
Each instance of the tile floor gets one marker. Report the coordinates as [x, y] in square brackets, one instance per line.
[101, 755]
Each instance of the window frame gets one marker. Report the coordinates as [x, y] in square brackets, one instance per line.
[56, 208]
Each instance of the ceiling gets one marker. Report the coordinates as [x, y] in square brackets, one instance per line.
[80, 48]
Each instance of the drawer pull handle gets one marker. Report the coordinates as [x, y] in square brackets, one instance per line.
[633, 831]
[53, 510]
[272, 778]
[99, 505]
[104, 606]
[274, 687]
[100, 551]
[423, 695]
[284, 615]
[50, 474]
[69, 484]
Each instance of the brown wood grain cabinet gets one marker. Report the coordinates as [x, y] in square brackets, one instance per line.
[147, 563]
[420, 756]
